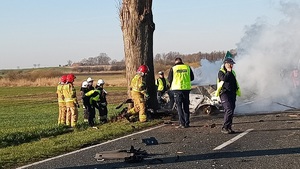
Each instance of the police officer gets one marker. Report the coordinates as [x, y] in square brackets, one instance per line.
[227, 88]
[180, 77]
[139, 94]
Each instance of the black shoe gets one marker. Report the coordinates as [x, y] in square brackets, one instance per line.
[231, 131]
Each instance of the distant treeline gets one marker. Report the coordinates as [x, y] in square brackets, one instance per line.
[165, 58]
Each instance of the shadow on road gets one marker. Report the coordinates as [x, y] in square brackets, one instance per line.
[197, 157]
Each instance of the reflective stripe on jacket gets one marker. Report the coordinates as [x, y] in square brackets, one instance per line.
[220, 84]
[138, 84]
[181, 77]
[59, 91]
[69, 93]
[94, 95]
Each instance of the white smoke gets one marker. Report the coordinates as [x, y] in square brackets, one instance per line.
[266, 55]
[207, 73]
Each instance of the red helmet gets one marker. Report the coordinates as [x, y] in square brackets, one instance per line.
[63, 78]
[143, 69]
[70, 78]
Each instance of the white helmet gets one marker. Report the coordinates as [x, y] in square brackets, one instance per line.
[89, 79]
[100, 82]
[84, 84]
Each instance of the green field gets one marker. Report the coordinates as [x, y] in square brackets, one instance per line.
[29, 130]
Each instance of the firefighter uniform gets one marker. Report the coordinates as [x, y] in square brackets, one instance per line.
[138, 94]
[102, 105]
[71, 104]
[93, 96]
[85, 100]
[61, 104]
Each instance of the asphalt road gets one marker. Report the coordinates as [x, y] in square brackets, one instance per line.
[261, 142]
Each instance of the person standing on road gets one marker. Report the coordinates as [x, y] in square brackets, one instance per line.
[227, 88]
[139, 94]
[102, 102]
[72, 105]
[180, 77]
[62, 111]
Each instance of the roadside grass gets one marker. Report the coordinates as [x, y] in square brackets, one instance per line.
[29, 130]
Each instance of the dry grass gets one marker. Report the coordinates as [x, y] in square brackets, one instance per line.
[110, 80]
[5, 82]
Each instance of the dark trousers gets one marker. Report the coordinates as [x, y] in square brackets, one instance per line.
[182, 101]
[228, 103]
[102, 113]
[159, 97]
[91, 115]
[171, 97]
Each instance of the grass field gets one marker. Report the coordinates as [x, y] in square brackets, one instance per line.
[28, 125]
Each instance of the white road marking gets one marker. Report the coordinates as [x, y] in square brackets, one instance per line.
[232, 140]
[73, 152]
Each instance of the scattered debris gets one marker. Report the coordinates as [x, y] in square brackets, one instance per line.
[129, 156]
[150, 141]
[213, 125]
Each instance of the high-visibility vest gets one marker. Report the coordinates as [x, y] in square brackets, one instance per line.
[220, 84]
[181, 77]
[94, 95]
[160, 84]
[60, 95]
[138, 84]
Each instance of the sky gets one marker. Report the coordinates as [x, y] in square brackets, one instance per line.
[267, 64]
[51, 32]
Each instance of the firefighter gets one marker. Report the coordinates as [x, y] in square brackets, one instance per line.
[102, 102]
[90, 83]
[227, 88]
[139, 94]
[72, 105]
[162, 85]
[85, 100]
[93, 97]
[61, 101]
[180, 77]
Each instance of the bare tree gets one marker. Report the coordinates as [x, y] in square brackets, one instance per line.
[69, 63]
[137, 26]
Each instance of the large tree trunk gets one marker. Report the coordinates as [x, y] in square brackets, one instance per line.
[138, 27]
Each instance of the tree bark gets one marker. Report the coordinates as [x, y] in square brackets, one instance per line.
[137, 26]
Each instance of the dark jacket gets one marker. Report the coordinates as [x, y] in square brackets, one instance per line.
[230, 85]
